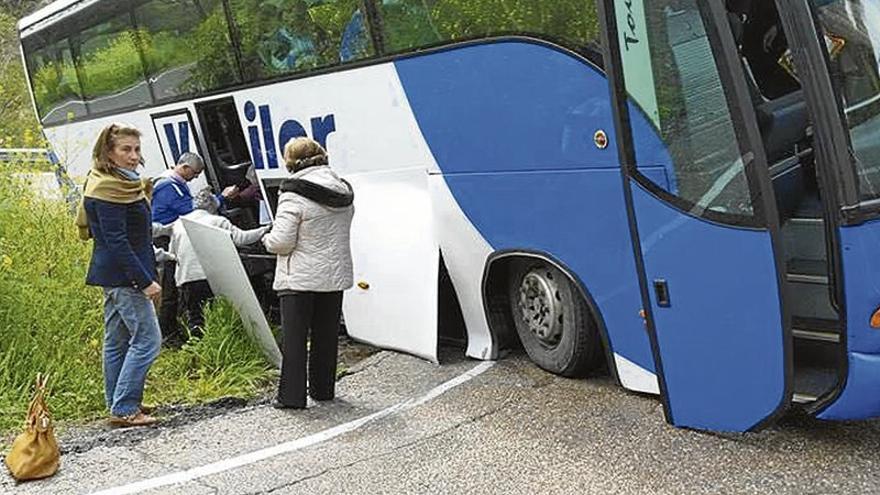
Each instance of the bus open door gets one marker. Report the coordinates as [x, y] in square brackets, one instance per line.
[707, 238]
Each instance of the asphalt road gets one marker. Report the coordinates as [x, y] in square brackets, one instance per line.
[511, 429]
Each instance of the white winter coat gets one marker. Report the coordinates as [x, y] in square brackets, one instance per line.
[188, 267]
[311, 235]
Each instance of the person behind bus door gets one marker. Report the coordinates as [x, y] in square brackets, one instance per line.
[190, 278]
[310, 237]
[171, 199]
[115, 212]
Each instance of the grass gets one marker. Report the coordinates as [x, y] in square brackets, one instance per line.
[50, 322]
[222, 362]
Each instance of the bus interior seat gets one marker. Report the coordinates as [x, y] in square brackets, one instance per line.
[783, 123]
[776, 94]
[234, 174]
[778, 100]
[785, 130]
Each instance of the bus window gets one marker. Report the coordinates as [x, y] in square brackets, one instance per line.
[672, 77]
[56, 86]
[852, 35]
[410, 24]
[287, 36]
[186, 46]
[112, 71]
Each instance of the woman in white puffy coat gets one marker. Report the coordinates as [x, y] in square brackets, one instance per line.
[311, 237]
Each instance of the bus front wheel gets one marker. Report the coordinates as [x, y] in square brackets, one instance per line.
[552, 320]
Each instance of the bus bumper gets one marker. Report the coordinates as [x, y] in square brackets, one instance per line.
[860, 398]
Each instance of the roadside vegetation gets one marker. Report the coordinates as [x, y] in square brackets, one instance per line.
[50, 322]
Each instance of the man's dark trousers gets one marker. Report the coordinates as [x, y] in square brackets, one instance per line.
[168, 308]
[193, 297]
[310, 316]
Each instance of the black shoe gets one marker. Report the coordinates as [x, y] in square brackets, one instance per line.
[279, 405]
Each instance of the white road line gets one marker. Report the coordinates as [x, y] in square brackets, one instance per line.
[293, 445]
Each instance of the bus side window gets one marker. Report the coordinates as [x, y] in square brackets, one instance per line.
[112, 72]
[411, 24]
[186, 47]
[289, 36]
[56, 86]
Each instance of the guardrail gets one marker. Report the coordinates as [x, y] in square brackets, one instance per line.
[28, 155]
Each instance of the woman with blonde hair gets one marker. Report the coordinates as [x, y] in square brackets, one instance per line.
[310, 235]
[115, 212]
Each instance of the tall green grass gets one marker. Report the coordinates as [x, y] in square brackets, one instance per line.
[50, 322]
[222, 362]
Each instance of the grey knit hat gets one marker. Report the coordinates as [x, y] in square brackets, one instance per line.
[205, 200]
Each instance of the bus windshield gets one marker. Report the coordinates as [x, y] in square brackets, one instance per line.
[852, 34]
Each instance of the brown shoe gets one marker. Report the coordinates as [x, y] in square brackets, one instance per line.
[136, 419]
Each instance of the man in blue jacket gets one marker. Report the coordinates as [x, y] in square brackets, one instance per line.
[172, 199]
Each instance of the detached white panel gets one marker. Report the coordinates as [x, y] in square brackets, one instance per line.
[227, 278]
[396, 254]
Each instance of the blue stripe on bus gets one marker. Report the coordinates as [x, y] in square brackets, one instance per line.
[859, 398]
[511, 126]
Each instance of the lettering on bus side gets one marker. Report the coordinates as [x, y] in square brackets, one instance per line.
[177, 146]
[261, 133]
[630, 37]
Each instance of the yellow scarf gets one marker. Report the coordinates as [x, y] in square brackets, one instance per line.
[111, 187]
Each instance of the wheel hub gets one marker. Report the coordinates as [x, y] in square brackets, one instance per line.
[540, 305]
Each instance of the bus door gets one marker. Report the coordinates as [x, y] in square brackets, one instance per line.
[228, 156]
[705, 232]
[838, 40]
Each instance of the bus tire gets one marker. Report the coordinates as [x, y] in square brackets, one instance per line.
[552, 320]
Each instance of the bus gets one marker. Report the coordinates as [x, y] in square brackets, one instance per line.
[684, 192]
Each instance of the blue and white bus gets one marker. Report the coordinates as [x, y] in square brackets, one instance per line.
[684, 191]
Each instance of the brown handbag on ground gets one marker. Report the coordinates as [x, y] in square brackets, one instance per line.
[34, 453]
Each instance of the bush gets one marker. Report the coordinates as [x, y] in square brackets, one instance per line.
[48, 321]
[51, 322]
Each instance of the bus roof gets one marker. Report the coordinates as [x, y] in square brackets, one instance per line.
[48, 13]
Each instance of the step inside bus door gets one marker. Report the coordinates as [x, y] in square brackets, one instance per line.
[846, 110]
[228, 156]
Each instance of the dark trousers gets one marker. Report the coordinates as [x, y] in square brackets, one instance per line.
[193, 296]
[168, 305]
[309, 316]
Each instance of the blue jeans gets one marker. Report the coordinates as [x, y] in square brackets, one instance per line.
[131, 343]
